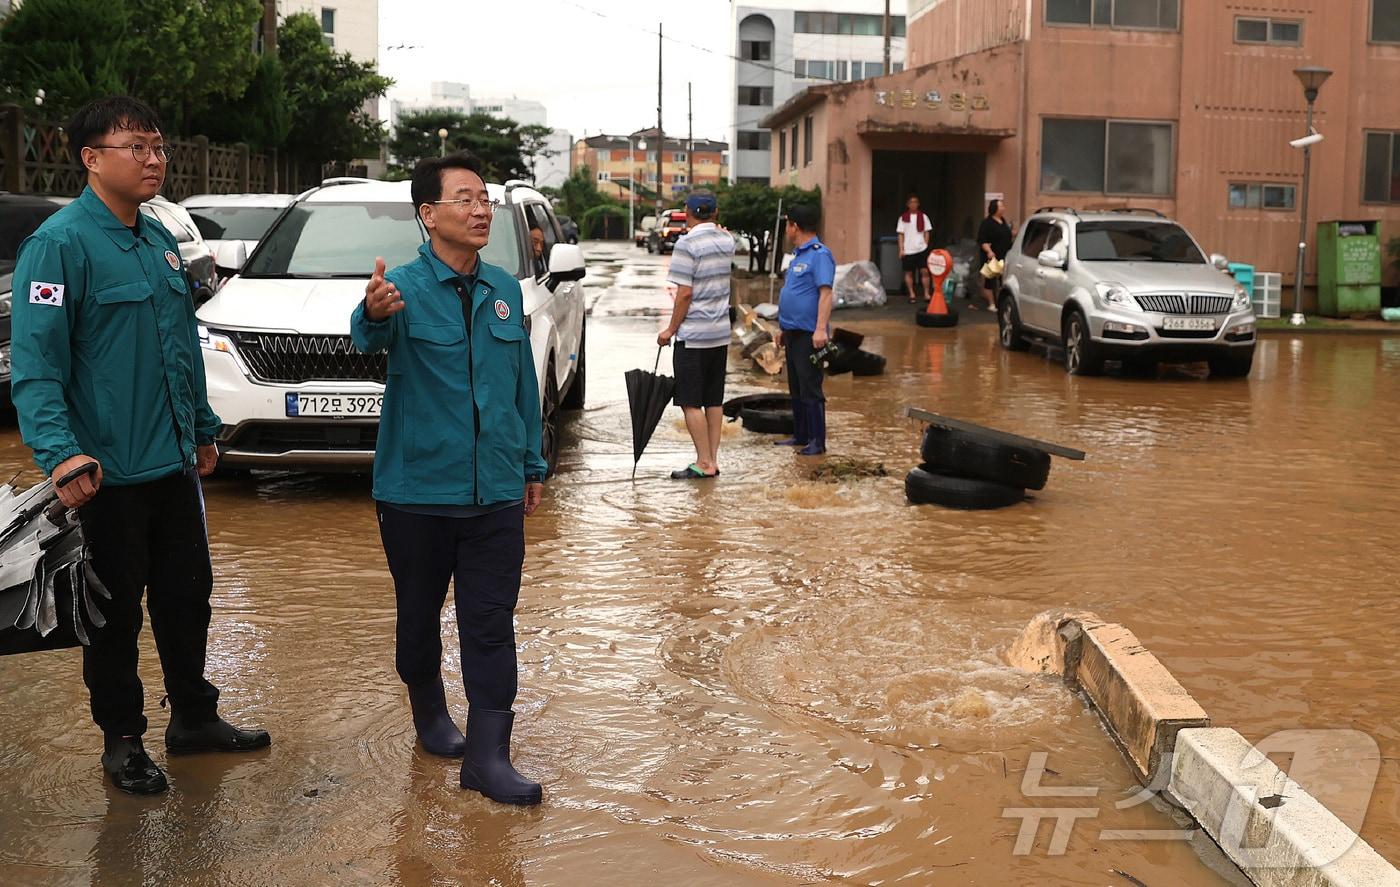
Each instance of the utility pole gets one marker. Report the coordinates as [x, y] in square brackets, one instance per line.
[887, 36]
[660, 136]
[269, 27]
[690, 136]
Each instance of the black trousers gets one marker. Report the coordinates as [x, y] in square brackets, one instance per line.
[482, 557]
[149, 538]
[804, 377]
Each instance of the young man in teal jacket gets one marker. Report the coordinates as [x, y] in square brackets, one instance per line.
[457, 467]
[107, 369]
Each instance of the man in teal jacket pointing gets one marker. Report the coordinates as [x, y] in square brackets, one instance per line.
[107, 369]
[457, 467]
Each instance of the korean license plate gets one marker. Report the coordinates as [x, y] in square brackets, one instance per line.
[1188, 323]
[340, 406]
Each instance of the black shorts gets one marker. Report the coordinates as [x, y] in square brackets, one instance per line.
[915, 261]
[700, 375]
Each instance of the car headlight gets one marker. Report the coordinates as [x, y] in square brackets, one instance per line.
[1242, 300]
[7, 303]
[214, 341]
[1116, 294]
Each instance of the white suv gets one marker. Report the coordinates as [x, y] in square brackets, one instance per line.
[283, 375]
[1125, 285]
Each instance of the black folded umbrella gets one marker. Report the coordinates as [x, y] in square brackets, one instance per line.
[46, 583]
[648, 395]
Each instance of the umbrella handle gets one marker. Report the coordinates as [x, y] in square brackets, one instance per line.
[657, 365]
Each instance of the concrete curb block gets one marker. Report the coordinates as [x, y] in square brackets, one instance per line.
[1289, 839]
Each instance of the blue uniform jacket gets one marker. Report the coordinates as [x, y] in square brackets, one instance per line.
[812, 268]
[461, 418]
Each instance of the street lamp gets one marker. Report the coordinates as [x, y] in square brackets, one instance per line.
[442, 142]
[1312, 79]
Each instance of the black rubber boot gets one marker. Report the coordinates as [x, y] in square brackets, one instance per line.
[486, 767]
[816, 418]
[437, 733]
[126, 763]
[801, 419]
[183, 737]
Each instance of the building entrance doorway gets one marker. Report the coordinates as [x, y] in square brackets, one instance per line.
[950, 186]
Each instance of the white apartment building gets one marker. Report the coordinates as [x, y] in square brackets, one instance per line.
[349, 25]
[784, 46]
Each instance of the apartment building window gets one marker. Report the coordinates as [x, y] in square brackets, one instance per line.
[807, 141]
[842, 23]
[755, 95]
[782, 150]
[792, 144]
[328, 26]
[1157, 15]
[756, 50]
[678, 157]
[1385, 21]
[1106, 157]
[1382, 165]
[604, 175]
[755, 139]
[1278, 32]
[605, 157]
[1256, 195]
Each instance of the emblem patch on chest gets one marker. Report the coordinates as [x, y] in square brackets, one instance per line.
[502, 309]
[46, 294]
[172, 260]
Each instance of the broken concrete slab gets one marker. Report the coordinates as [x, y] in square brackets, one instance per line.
[1275, 831]
[1049, 643]
[1142, 703]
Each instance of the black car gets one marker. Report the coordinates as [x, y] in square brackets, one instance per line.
[20, 215]
[569, 228]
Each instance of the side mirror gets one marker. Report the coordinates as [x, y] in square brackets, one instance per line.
[566, 263]
[1051, 259]
[1220, 262]
[231, 254]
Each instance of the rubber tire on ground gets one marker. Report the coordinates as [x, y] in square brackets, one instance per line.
[1089, 359]
[1232, 365]
[767, 421]
[574, 399]
[765, 401]
[924, 319]
[867, 363]
[927, 485]
[982, 458]
[1009, 331]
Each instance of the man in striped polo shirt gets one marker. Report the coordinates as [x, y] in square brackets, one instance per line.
[700, 269]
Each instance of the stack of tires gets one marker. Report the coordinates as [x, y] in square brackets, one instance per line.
[762, 413]
[972, 471]
[854, 360]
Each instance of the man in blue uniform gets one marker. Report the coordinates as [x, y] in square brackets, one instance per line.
[107, 369]
[457, 468]
[804, 322]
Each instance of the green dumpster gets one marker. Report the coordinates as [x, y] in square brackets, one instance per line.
[1348, 268]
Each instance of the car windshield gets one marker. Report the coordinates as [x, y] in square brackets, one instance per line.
[343, 239]
[1136, 241]
[233, 222]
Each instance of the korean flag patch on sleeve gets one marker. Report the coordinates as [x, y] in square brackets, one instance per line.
[46, 294]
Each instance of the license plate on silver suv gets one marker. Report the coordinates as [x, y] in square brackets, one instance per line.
[1194, 324]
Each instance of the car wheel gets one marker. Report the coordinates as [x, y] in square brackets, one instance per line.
[924, 319]
[1234, 365]
[650, 249]
[1082, 355]
[776, 421]
[981, 458]
[574, 399]
[549, 430]
[1009, 325]
[927, 485]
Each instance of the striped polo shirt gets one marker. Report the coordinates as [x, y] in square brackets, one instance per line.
[703, 260]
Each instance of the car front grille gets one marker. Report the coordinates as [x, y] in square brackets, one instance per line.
[1188, 303]
[290, 357]
[275, 438]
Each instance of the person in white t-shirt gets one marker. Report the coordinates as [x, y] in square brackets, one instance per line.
[914, 230]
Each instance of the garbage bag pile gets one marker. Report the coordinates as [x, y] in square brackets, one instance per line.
[858, 284]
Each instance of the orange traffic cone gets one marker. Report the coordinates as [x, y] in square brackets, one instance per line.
[937, 313]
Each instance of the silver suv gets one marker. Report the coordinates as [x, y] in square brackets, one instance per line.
[1125, 285]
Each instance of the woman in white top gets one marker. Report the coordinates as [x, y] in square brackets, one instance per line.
[914, 230]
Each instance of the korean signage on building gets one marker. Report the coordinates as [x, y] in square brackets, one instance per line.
[932, 100]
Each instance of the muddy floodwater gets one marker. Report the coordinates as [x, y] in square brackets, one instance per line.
[765, 680]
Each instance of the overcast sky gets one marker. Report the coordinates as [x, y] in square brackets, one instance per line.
[591, 62]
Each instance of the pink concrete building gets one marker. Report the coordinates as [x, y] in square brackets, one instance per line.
[1183, 106]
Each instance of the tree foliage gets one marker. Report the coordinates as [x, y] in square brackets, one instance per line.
[534, 146]
[496, 140]
[327, 92]
[751, 210]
